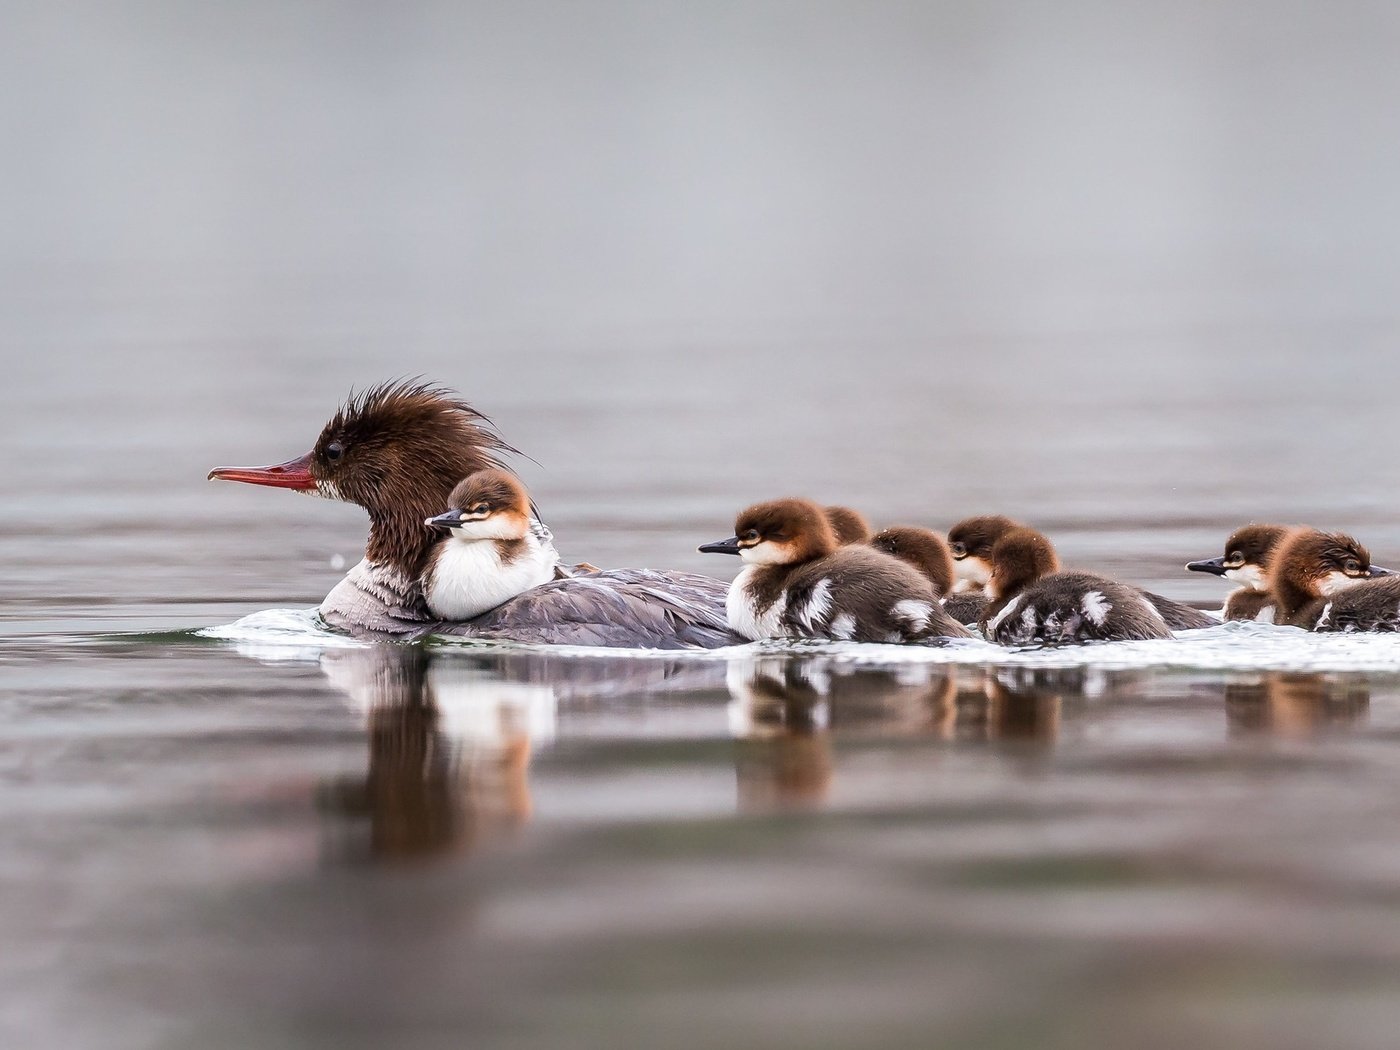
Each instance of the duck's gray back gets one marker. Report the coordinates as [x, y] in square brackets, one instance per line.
[617, 608]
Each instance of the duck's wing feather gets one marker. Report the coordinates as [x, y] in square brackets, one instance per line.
[618, 608]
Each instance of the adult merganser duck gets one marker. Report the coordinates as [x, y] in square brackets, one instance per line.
[1031, 600]
[398, 450]
[1247, 560]
[971, 542]
[1324, 581]
[849, 524]
[798, 583]
[490, 554]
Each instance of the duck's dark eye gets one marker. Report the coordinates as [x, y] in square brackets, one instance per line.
[959, 550]
[334, 451]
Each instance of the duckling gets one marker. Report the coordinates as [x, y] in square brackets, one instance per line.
[799, 583]
[849, 524]
[928, 552]
[1248, 560]
[922, 548]
[970, 543]
[490, 553]
[1324, 581]
[1031, 600]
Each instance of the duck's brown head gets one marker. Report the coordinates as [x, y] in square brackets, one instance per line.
[922, 548]
[780, 532]
[1248, 556]
[491, 504]
[1019, 558]
[1310, 564]
[970, 542]
[849, 524]
[398, 450]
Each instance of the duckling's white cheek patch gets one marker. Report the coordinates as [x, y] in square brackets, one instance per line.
[496, 527]
[971, 572]
[1251, 576]
[766, 553]
[1334, 582]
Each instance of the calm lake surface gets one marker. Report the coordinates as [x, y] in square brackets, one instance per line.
[1124, 271]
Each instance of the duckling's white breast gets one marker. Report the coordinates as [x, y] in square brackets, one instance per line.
[467, 579]
[745, 617]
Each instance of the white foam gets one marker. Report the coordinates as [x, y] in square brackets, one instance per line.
[1242, 645]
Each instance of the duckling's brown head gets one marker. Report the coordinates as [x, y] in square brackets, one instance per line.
[970, 543]
[922, 548]
[1309, 563]
[780, 532]
[1019, 558]
[1248, 556]
[849, 524]
[491, 504]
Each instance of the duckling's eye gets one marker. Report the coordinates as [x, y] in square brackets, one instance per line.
[1352, 567]
[751, 536]
[334, 451]
[959, 550]
[479, 508]
[1235, 558]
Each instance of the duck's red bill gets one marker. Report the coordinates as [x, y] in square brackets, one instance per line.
[293, 474]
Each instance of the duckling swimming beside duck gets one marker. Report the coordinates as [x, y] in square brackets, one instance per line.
[1248, 561]
[799, 583]
[490, 553]
[1031, 600]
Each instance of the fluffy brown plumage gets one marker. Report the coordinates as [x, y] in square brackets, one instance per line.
[849, 524]
[1314, 570]
[1247, 561]
[922, 548]
[970, 543]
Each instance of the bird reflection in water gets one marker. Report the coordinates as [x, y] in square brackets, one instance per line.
[449, 750]
[1296, 704]
[786, 711]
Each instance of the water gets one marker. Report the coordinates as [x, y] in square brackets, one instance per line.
[1125, 271]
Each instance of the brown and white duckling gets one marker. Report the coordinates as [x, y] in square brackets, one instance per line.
[490, 554]
[970, 543]
[1324, 581]
[849, 524]
[1248, 560]
[799, 583]
[1031, 600]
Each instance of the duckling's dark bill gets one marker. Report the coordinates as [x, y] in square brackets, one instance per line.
[452, 519]
[293, 474]
[1214, 566]
[729, 546]
[1377, 570]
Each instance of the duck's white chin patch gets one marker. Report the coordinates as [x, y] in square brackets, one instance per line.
[1251, 576]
